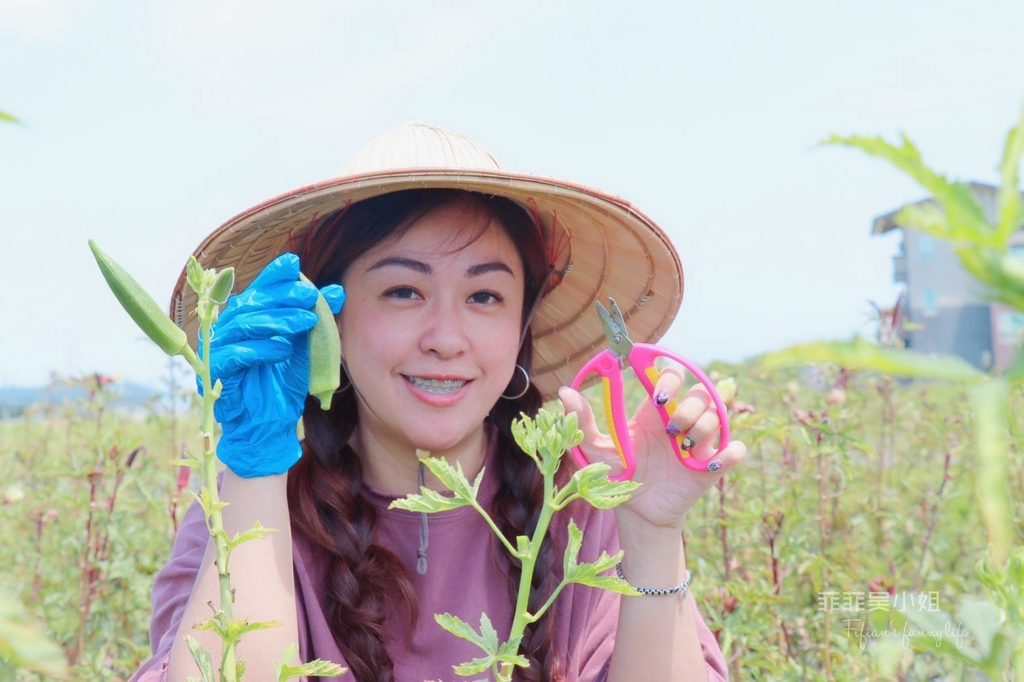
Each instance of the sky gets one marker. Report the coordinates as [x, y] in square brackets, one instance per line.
[147, 124]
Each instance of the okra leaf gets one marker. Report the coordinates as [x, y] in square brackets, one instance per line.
[205, 500]
[474, 667]
[202, 658]
[525, 437]
[428, 501]
[593, 485]
[452, 477]
[590, 573]
[257, 531]
[1011, 210]
[862, 354]
[459, 628]
[991, 418]
[235, 628]
[317, 668]
[965, 219]
[508, 652]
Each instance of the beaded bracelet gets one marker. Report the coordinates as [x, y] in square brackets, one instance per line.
[681, 588]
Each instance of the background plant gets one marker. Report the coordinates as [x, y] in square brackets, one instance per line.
[982, 247]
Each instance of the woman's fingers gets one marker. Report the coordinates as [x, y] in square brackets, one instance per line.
[573, 402]
[295, 294]
[265, 324]
[596, 446]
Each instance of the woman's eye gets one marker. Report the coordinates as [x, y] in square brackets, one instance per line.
[485, 297]
[402, 292]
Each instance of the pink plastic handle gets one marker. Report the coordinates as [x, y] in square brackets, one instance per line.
[642, 359]
[606, 365]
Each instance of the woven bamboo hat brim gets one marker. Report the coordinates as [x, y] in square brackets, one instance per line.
[613, 250]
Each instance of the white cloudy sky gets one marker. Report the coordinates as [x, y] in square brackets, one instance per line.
[147, 124]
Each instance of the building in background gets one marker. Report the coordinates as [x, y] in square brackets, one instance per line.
[942, 308]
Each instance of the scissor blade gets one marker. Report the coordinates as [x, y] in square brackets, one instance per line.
[614, 328]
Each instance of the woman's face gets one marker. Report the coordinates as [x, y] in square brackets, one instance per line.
[430, 330]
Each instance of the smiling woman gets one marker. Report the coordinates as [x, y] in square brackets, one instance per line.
[467, 290]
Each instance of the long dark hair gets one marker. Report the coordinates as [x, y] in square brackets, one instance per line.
[364, 581]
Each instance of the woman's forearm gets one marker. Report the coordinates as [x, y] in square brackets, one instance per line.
[261, 577]
[656, 634]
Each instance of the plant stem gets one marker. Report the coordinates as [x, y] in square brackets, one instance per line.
[216, 520]
[823, 547]
[522, 616]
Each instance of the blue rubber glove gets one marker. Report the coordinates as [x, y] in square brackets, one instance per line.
[260, 353]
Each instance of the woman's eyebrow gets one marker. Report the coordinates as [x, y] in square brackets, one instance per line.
[412, 264]
[484, 268]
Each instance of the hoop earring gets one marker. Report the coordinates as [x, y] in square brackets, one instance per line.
[526, 388]
[343, 389]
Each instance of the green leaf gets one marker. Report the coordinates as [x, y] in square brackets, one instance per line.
[235, 628]
[487, 640]
[1011, 212]
[459, 628]
[474, 667]
[202, 658]
[4, 116]
[593, 485]
[257, 531]
[589, 573]
[991, 416]
[862, 354]
[452, 477]
[317, 668]
[429, 501]
[205, 499]
[964, 218]
[983, 619]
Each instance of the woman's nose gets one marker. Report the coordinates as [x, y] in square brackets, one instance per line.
[443, 332]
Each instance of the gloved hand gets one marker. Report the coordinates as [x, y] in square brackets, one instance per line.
[260, 353]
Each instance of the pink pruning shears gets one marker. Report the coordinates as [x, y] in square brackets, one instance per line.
[641, 357]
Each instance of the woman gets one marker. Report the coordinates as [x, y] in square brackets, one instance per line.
[468, 297]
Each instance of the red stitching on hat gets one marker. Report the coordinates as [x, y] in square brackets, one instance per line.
[315, 236]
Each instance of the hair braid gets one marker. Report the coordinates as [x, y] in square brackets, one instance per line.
[362, 579]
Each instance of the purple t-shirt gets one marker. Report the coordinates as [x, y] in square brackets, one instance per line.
[462, 579]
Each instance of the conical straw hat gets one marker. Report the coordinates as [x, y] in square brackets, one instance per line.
[612, 250]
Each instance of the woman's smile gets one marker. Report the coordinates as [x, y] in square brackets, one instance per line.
[438, 386]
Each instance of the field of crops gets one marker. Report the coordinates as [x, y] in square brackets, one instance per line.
[857, 493]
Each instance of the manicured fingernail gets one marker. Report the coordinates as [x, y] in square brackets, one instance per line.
[715, 464]
[673, 430]
[661, 398]
[687, 443]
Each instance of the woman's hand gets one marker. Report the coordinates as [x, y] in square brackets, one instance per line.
[669, 489]
[260, 353]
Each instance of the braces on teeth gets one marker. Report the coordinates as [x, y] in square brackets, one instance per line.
[436, 385]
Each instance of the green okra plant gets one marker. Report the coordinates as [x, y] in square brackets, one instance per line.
[213, 288]
[545, 440]
[983, 248]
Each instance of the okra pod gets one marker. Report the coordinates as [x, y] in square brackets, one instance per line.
[222, 286]
[139, 305]
[324, 353]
